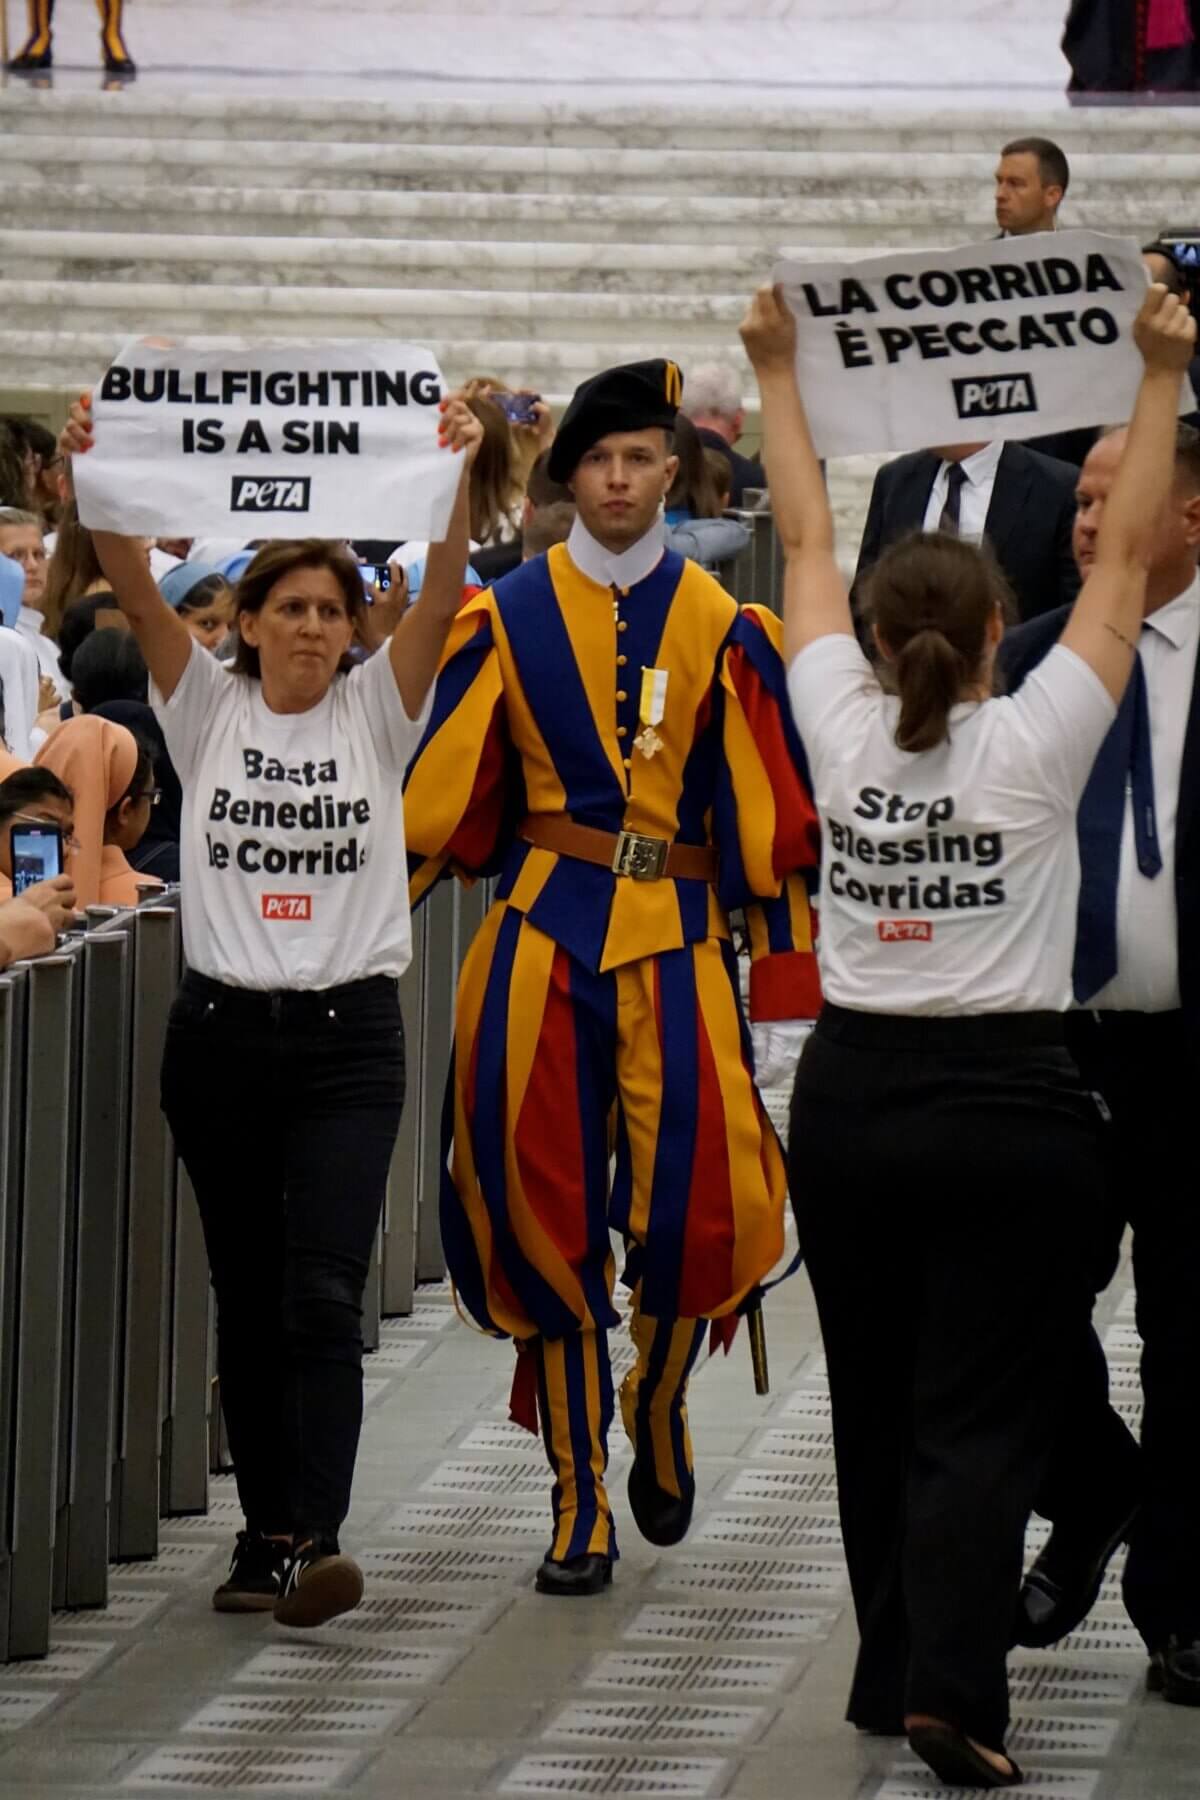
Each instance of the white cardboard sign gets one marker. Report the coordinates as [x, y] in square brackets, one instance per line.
[1009, 339]
[226, 439]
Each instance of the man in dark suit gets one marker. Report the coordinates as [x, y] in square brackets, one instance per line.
[712, 400]
[1023, 503]
[1136, 1037]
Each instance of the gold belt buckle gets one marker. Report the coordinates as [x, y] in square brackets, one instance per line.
[641, 858]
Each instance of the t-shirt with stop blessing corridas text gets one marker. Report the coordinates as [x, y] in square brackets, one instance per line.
[949, 877]
[292, 857]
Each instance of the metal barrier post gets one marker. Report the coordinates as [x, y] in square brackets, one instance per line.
[185, 1430]
[399, 1261]
[438, 986]
[13, 998]
[136, 1473]
[48, 1098]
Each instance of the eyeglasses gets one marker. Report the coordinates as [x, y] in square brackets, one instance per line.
[69, 843]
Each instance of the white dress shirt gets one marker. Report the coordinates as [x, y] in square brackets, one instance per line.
[623, 571]
[29, 626]
[976, 497]
[1147, 978]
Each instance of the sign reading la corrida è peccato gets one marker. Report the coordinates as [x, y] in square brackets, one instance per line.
[1013, 338]
[227, 439]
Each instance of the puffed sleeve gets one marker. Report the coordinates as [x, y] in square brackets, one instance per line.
[765, 822]
[463, 790]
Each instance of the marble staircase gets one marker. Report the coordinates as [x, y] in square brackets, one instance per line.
[539, 239]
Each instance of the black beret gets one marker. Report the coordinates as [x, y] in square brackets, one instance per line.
[633, 397]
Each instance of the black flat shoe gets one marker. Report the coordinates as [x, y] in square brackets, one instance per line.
[30, 62]
[956, 1761]
[124, 66]
[1062, 1587]
[662, 1518]
[579, 1575]
[1175, 1672]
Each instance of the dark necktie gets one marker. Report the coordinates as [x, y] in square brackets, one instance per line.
[1123, 765]
[955, 481]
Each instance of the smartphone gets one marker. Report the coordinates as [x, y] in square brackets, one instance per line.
[37, 855]
[519, 409]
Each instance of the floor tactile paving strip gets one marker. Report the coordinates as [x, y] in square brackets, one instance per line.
[1053, 1684]
[271, 1771]
[298, 1715]
[1104, 1636]
[325, 1665]
[688, 1779]
[19, 1705]
[68, 1661]
[374, 1390]
[730, 1624]
[807, 1403]
[921, 1784]
[505, 1439]
[438, 1566]
[175, 1562]
[127, 1609]
[813, 1448]
[1054, 1735]
[664, 1672]
[729, 1576]
[786, 1487]
[761, 1531]
[519, 1480]
[656, 1723]
[1122, 1343]
[438, 1519]
[416, 1615]
[420, 1322]
[223, 1519]
[400, 1353]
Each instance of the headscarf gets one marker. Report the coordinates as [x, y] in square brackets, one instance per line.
[97, 760]
[179, 582]
[158, 852]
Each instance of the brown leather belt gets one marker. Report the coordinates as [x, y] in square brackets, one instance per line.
[624, 852]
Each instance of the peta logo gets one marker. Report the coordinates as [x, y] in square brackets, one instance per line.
[990, 396]
[900, 931]
[270, 493]
[291, 907]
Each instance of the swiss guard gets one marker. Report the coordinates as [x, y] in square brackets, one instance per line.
[37, 52]
[611, 736]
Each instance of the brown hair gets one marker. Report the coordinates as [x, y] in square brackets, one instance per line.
[1053, 168]
[14, 476]
[930, 598]
[693, 486]
[548, 526]
[495, 482]
[272, 564]
[74, 568]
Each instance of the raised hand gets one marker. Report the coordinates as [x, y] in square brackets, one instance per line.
[458, 428]
[1164, 330]
[78, 435]
[769, 331]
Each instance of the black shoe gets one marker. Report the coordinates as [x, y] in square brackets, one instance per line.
[578, 1575]
[661, 1518]
[29, 62]
[255, 1578]
[1175, 1672]
[1062, 1587]
[318, 1584]
[119, 65]
[955, 1759]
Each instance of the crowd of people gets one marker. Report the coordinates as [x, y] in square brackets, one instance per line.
[561, 695]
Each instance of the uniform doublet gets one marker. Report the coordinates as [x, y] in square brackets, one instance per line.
[598, 1012]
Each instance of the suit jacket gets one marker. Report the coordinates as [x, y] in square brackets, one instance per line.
[1028, 525]
[1022, 650]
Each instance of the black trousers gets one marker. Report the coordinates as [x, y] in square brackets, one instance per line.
[285, 1109]
[943, 1172]
[1141, 1064]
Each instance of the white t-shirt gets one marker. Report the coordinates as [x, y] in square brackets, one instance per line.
[292, 855]
[949, 877]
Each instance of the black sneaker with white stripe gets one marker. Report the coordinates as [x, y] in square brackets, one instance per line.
[319, 1582]
[256, 1572]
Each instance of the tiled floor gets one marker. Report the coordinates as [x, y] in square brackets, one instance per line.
[715, 1669]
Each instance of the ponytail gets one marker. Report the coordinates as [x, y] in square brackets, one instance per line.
[930, 598]
[930, 676]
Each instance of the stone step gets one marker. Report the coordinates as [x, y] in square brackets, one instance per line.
[958, 182]
[711, 130]
[868, 221]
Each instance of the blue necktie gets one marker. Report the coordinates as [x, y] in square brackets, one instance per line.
[1123, 765]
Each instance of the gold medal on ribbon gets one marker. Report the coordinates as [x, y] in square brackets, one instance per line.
[651, 709]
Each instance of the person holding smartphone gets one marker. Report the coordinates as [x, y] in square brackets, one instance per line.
[296, 930]
[29, 926]
[939, 1127]
[37, 816]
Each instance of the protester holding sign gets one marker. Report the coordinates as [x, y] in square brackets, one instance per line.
[939, 1125]
[296, 928]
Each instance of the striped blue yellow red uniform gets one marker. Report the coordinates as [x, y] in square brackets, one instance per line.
[603, 1075]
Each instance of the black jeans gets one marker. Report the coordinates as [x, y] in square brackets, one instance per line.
[285, 1109]
[943, 1172]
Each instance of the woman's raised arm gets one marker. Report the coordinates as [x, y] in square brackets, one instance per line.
[163, 638]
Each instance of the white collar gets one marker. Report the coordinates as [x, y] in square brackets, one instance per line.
[981, 463]
[1176, 621]
[30, 620]
[623, 571]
